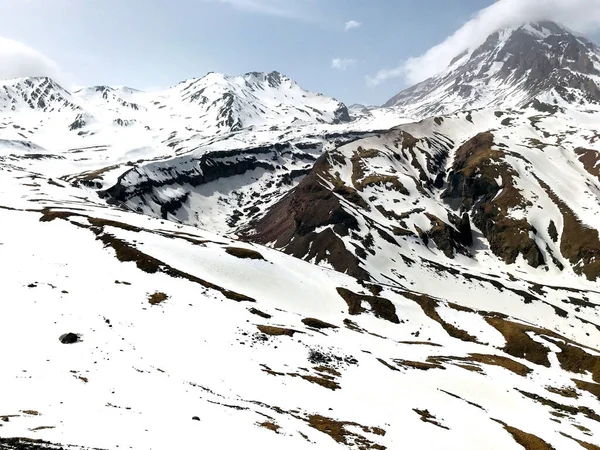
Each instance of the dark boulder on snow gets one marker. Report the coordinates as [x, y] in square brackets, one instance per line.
[69, 338]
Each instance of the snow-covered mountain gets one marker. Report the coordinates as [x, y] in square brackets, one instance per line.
[513, 67]
[39, 94]
[238, 263]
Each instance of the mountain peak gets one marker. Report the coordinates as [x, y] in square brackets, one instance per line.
[40, 93]
[510, 69]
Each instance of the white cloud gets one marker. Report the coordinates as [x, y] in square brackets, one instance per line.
[352, 24]
[285, 8]
[578, 15]
[17, 60]
[342, 63]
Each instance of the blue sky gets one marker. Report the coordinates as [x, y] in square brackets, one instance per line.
[151, 44]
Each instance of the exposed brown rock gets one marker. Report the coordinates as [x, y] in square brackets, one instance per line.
[518, 342]
[276, 331]
[592, 388]
[429, 305]
[244, 253]
[590, 160]
[338, 432]
[291, 223]
[316, 323]
[448, 239]
[381, 307]
[526, 440]
[472, 186]
[427, 417]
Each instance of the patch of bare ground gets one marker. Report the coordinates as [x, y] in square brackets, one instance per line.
[328, 370]
[458, 361]
[316, 323]
[7, 418]
[573, 357]
[338, 432]
[425, 343]
[567, 392]
[389, 182]
[519, 343]
[368, 153]
[157, 298]
[462, 399]
[579, 243]
[380, 307]
[473, 361]
[353, 326]
[31, 444]
[86, 177]
[592, 388]
[321, 379]
[427, 417]
[501, 361]
[590, 160]
[429, 305]
[276, 331]
[259, 313]
[561, 408]
[48, 214]
[418, 365]
[244, 253]
[584, 444]
[526, 440]
[270, 426]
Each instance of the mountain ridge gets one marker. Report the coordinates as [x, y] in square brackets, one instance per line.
[512, 67]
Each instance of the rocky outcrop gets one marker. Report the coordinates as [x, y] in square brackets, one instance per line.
[473, 187]
[293, 224]
[448, 238]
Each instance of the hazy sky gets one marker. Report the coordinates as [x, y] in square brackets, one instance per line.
[355, 50]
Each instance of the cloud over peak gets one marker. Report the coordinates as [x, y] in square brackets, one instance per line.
[18, 60]
[579, 15]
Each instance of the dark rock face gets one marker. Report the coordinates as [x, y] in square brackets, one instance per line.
[31, 444]
[292, 223]
[381, 307]
[69, 338]
[536, 58]
[209, 167]
[472, 186]
[448, 239]
[341, 114]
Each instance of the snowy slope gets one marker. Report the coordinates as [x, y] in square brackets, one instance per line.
[512, 68]
[185, 336]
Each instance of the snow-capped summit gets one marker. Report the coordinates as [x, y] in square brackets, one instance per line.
[511, 68]
[256, 98]
[40, 93]
[110, 96]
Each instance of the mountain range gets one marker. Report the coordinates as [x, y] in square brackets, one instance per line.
[239, 262]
